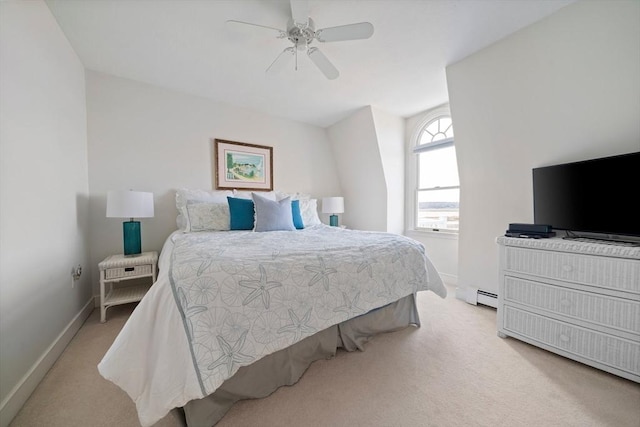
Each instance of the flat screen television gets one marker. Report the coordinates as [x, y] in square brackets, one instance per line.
[598, 196]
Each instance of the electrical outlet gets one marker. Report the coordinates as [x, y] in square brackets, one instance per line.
[76, 272]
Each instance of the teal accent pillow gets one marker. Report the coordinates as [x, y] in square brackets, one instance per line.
[241, 213]
[273, 216]
[297, 215]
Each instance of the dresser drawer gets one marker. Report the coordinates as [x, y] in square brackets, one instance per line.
[603, 310]
[603, 272]
[601, 348]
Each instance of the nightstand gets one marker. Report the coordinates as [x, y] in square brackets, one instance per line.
[117, 268]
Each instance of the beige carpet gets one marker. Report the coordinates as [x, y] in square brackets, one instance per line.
[453, 371]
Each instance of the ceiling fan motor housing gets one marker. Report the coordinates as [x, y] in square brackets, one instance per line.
[301, 35]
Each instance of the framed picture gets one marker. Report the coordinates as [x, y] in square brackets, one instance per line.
[243, 166]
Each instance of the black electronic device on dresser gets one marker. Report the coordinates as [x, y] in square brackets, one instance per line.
[595, 198]
[530, 231]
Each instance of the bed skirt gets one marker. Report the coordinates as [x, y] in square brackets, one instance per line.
[285, 367]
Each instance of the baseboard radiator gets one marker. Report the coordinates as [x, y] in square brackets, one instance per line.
[477, 296]
[487, 298]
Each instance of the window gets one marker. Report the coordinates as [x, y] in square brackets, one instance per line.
[437, 184]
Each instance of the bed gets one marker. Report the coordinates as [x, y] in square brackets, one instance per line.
[235, 314]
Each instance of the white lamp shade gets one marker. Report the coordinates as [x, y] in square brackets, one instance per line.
[129, 204]
[333, 205]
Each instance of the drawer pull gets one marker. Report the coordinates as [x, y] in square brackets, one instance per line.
[129, 268]
[565, 338]
[567, 268]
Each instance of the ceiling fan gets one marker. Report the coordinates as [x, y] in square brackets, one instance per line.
[302, 33]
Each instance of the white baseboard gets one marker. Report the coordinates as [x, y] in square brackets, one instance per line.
[449, 279]
[17, 397]
[469, 295]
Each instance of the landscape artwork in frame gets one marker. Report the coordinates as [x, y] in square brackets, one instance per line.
[243, 166]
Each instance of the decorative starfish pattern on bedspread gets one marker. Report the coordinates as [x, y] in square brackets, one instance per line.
[366, 263]
[389, 288]
[261, 288]
[322, 273]
[189, 310]
[231, 354]
[250, 294]
[398, 255]
[298, 326]
[350, 306]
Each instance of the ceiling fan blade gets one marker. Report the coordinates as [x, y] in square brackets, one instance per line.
[281, 61]
[323, 63]
[300, 12]
[235, 24]
[361, 30]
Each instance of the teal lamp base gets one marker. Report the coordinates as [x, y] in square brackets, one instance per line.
[333, 220]
[131, 237]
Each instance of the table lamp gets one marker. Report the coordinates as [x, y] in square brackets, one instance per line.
[130, 204]
[333, 206]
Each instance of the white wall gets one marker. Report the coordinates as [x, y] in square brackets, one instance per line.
[390, 137]
[44, 198]
[564, 89]
[357, 157]
[143, 137]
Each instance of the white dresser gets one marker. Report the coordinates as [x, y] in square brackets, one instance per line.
[578, 299]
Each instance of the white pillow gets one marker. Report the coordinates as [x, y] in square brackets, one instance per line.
[183, 195]
[294, 196]
[309, 212]
[205, 216]
[308, 207]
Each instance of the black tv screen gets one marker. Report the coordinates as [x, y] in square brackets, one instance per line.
[594, 196]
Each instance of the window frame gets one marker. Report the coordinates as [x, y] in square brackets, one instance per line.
[413, 152]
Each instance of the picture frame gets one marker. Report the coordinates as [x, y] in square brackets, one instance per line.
[239, 165]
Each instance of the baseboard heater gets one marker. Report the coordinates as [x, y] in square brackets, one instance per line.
[487, 298]
[477, 296]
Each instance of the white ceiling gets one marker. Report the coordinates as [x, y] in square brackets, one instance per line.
[185, 45]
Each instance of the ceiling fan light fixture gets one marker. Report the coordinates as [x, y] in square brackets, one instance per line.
[300, 36]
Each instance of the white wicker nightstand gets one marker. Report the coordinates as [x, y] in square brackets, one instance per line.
[116, 268]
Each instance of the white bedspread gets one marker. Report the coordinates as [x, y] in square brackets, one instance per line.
[225, 299]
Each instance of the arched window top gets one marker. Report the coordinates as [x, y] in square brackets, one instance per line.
[436, 129]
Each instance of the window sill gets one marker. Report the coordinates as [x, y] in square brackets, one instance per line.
[442, 234]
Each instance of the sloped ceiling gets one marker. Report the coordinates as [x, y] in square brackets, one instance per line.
[186, 45]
